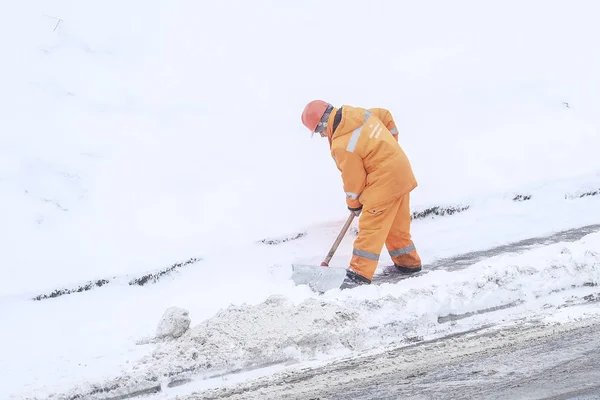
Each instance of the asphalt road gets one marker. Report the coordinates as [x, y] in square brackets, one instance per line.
[525, 361]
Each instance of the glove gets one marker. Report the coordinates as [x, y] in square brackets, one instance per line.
[356, 211]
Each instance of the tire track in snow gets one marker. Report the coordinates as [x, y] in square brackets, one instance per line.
[534, 360]
[462, 261]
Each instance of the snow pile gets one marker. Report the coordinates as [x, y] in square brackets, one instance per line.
[277, 330]
[174, 323]
[366, 318]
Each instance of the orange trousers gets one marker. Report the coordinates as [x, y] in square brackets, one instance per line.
[388, 224]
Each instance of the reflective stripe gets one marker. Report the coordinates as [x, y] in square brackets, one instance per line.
[353, 196]
[356, 134]
[394, 131]
[366, 254]
[354, 139]
[399, 252]
[374, 131]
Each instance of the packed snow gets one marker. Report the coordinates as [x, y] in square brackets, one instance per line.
[136, 136]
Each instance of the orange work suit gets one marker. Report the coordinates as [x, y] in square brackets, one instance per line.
[378, 177]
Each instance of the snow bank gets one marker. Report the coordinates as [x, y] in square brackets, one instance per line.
[278, 330]
[365, 318]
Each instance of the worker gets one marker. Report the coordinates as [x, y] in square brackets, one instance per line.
[377, 178]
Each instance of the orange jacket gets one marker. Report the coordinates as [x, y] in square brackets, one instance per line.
[365, 148]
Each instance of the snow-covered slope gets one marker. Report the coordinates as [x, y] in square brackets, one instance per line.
[138, 135]
[135, 135]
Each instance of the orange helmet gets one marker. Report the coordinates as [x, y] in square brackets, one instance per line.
[312, 114]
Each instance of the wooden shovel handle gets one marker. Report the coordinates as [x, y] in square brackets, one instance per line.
[338, 240]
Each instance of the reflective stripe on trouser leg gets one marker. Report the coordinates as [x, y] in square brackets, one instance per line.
[402, 251]
[373, 229]
[399, 242]
[366, 254]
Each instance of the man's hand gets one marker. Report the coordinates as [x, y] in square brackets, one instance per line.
[356, 211]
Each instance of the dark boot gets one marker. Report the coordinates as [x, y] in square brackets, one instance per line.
[407, 270]
[353, 280]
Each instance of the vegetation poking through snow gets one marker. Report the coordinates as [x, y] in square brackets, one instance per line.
[141, 281]
[590, 193]
[522, 197]
[582, 195]
[83, 288]
[272, 242]
[438, 211]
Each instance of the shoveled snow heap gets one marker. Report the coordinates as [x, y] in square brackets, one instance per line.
[365, 318]
[174, 323]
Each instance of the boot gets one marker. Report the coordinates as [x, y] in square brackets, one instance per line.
[353, 280]
[407, 270]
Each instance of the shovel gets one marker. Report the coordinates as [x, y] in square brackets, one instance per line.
[323, 278]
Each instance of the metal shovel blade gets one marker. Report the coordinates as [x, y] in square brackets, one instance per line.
[319, 279]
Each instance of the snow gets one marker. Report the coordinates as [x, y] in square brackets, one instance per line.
[371, 318]
[120, 319]
[279, 330]
[174, 323]
[135, 136]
